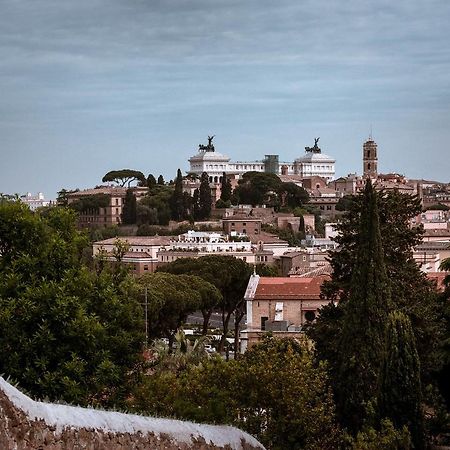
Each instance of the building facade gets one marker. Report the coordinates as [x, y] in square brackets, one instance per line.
[280, 305]
[312, 163]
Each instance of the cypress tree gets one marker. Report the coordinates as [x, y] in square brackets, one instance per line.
[225, 191]
[161, 180]
[196, 205]
[204, 197]
[400, 388]
[151, 181]
[177, 201]
[361, 344]
[129, 208]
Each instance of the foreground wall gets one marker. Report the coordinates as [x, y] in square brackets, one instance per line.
[26, 424]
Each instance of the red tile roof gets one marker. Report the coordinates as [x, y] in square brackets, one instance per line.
[289, 288]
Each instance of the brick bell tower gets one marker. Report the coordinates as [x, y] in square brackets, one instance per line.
[370, 159]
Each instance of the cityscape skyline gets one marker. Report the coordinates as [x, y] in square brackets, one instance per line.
[96, 86]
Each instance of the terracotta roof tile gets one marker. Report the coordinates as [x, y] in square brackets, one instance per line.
[293, 288]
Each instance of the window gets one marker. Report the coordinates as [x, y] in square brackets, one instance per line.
[263, 322]
[310, 316]
[117, 201]
[279, 311]
[145, 267]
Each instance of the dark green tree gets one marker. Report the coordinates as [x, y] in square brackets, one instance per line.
[161, 180]
[225, 191]
[129, 208]
[228, 274]
[124, 176]
[412, 292]
[66, 332]
[361, 343]
[151, 182]
[400, 393]
[292, 196]
[177, 199]
[205, 198]
[170, 299]
[255, 188]
[274, 392]
[158, 199]
[196, 205]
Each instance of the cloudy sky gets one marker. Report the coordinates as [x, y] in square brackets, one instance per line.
[92, 85]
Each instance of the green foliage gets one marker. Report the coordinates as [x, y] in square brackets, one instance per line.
[151, 182]
[438, 207]
[400, 393]
[274, 392]
[170, 299]
[361, 342]
[228, 274]
[387, 438]
[225, 191]
[129, 208]
[204, 198]
[124, 176]
[65, 332]
[411, 291]
[292, 195]
[91, 202]
[155, 207]
[265, 270]
[345, 203]
[177, 201]
[62, 198]
[221, 204]
[293, 237]
[254, 188]
[161, 181]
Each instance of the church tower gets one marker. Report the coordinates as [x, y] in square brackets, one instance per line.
[370, 159]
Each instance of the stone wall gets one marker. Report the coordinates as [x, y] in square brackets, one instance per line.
[26, 424]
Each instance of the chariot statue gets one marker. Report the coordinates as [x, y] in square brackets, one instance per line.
[209, 147]
[315, 149]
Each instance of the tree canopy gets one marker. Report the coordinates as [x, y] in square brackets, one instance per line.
[124, 176]
[254, 187]
[66, 332]
[228, 274]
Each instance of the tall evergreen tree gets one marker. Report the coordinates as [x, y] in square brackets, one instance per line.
[196, 205]
[151, 181]
[177, 200]
[400, 388]
[204, 197]
[361, 344]
[161, 180]
[129, 208]
[225, 191]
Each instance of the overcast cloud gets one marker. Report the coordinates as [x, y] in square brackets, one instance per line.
[90, 86]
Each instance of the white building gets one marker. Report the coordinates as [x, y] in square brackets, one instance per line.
[34, 201]
[312, 163]
[195, 244]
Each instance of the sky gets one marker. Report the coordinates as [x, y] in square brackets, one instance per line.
[89, 86]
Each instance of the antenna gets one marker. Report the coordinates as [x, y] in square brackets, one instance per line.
[370, 134]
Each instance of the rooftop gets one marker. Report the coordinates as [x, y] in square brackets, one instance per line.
[289, 288]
